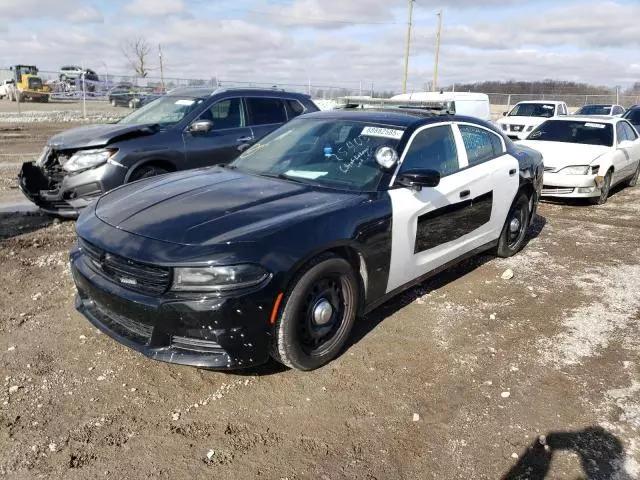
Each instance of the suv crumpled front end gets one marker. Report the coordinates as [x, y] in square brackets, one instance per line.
[46, 183]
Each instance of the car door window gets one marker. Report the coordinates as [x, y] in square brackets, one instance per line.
[617, 110]
[225, 114]
[294, 108]
[480, 144]
[433, 148]
[265, 111]
[621, 133]
[629, 131]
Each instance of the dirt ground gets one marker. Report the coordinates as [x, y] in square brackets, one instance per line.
[455, 379]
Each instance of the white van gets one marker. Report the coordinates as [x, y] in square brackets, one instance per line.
[465, 103]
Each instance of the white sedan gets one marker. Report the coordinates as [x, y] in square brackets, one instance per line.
[585, 156]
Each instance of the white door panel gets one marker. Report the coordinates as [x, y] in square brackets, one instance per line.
[434, 226]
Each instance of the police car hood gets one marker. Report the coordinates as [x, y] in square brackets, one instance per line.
[213, 206]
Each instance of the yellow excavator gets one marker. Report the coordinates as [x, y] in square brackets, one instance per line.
[27, 84]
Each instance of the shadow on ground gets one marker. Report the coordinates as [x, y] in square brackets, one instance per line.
[14, 224]
[601, 454]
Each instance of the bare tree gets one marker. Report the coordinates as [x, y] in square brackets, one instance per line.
[136, 51]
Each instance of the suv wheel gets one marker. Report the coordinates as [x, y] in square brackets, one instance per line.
[147, 171]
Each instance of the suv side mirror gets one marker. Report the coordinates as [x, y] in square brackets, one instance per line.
[418, 178]
[200, 126]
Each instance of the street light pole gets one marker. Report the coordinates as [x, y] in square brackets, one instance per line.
[437, 53]
[407, 48]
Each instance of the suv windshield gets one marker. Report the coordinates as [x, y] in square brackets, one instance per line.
[327, 152]
[594, 110]
[164, 111]
[533, 110]
[567, 131]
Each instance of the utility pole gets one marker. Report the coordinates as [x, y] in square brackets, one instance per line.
[437, 53]
[407, 47]
[161, 67]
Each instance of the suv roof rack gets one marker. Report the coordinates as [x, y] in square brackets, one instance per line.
[234, 87]
[433, 106]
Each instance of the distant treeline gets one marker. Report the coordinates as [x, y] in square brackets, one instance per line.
[551, 87]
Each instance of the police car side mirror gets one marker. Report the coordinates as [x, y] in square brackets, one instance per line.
[504, 114]
[417, 179]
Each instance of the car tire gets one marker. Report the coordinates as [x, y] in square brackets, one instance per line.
[633, 180]
[604, 191]
[317, 315]
[514, 233]
[147, 171]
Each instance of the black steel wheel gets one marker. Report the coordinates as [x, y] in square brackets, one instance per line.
[317, 315]
[604, 191]
[514, 232]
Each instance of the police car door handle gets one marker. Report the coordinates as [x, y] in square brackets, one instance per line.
[465, 193]
[512, 172]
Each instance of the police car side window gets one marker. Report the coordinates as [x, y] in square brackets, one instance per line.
[480, 145]
[433, 149]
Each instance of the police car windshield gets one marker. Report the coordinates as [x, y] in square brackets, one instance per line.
[533, 110]
[333, 153]
[163, 111]
[566, 131]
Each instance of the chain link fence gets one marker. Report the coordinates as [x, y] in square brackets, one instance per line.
[75, 99]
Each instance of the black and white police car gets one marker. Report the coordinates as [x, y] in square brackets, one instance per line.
[278, 253]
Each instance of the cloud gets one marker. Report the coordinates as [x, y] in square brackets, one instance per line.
[563, 42]
[156, 7]
[85, 14]
[31, 9]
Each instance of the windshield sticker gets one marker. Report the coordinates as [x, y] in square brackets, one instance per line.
[595, 125]
[382, 132]
[188, 103]
[305, 174]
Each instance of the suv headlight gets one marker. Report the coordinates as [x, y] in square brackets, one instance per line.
[88, 158]
[214, 279]
[575, 170]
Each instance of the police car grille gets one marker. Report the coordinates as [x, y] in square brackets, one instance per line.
[137, 276]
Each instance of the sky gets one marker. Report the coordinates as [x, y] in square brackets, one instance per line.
[333, 42]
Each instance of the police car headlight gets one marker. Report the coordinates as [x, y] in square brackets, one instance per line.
[214, 279]
[575, 170]
[83, 159]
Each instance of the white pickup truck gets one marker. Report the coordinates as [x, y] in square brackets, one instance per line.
[5, 88]
[525, 116]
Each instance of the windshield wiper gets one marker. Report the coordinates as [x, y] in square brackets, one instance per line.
[283, 176]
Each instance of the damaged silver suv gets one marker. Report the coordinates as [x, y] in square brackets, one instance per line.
[187, 128]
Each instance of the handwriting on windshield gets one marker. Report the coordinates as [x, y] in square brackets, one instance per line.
[355, 161]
